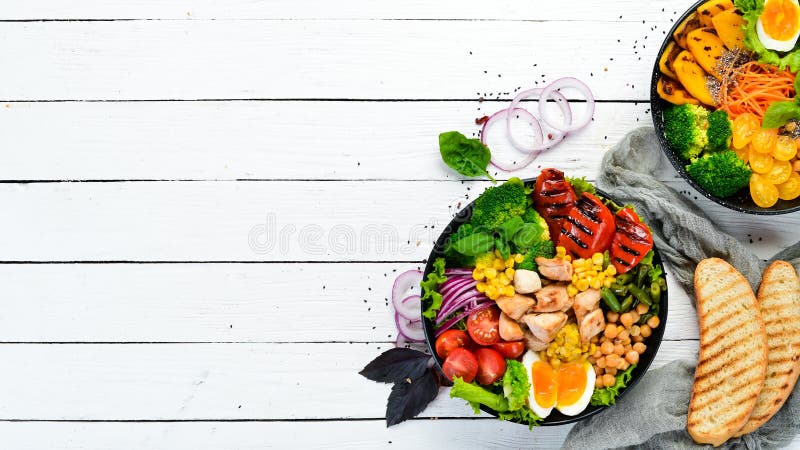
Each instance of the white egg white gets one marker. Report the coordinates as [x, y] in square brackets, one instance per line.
[583, 402]
[775, 44]
[527, 360]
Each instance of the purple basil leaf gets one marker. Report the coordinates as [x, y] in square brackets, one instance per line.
[395, 365]
[409, 397]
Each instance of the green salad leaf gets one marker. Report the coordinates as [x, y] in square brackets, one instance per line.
[469, 157]
[523, 415]
[474, 244]
[778, 113]
[608, 395]
[473, 393]
[515, 384]
[580, 185]
[429, 286]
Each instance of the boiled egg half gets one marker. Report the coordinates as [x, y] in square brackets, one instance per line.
[778, 26]
[567, 388]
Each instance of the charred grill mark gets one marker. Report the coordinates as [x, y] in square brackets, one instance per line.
[588, 209]
[579, 225]
[552, 192]
[557, 206]
[629, 250]
[622, 262]
[574, 238]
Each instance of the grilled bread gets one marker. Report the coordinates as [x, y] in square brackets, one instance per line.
[733, 353]
[779, 301]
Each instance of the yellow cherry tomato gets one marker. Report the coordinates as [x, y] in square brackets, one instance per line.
[743, 128]
[764, 140]
[790, 190]
[742, 153]
[785, 148]
[764, 193]
[760, 162]
[780, 172]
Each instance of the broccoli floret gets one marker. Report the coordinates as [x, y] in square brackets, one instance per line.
[515, 384]
[545, 249]
[722, 174]
[531, 216]
[685, 129]
[498, 204]
[719, 131]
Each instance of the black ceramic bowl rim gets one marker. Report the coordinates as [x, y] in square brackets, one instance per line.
[740, 201]
[555, 417]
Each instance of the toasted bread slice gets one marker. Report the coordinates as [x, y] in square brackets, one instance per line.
[779, 301]
[733, 353]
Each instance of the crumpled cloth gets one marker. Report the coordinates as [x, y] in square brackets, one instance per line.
[653, 414]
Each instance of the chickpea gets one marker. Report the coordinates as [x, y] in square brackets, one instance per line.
[598, 371]
[611, 331]
[619, 350]
[591, 359]
[636, 316]
[653, 322]
[632, 357]
[634, 331]
[611, 371]
[639, 347]
[641, 308]
[601, 362]
[607, 348]
[645, 331]
[609, 380]
[623, 365]
[626, 319]
[638, 338]
[612, 360]
[594, 339]
[597, 354]
[599, 383]
[612, 317]
[624, 334]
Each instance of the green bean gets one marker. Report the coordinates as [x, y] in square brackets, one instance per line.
[624, 278]
[619, 290]
[641, 295]
[655, 292]
[626, 304]
[610, 299]
[606, 260]
[663, 283]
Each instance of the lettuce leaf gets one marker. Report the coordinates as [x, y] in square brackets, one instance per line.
[523, 415]
[608, 395]
[429, 286]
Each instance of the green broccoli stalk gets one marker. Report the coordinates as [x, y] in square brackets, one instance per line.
[498, 204]
[685, 129]
[515, 384]
[719, 131]
[545, 249]
[721, 174]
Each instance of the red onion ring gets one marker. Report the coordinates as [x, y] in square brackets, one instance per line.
[409, 308]
[411, 330]
[563, 103]
[537, 136]
[552, 88]
[403, 283]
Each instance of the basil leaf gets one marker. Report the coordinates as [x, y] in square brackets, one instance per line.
[474, 244]
[502, 247]
[778, 113]
[469, 157]
[395, 365]
[410, 396]
[526, 236]
[508, 229]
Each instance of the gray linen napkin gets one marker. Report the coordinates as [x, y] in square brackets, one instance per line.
[653, 415]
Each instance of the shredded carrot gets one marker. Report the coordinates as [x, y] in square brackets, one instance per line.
[751, 88]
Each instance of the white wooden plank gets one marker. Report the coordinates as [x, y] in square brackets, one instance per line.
[367, 435]
[630, 10]
[287, 140]
[216, 303]
[319, 59]
[260, 221]
[208, 381]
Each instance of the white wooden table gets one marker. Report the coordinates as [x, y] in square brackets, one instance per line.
[192, 191]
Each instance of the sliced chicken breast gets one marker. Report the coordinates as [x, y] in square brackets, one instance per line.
[586, 302]
[592, 325]
[516, 306]
[533, 343]
[545, 326]
[552, 298]
[509, 328]
[555, 268]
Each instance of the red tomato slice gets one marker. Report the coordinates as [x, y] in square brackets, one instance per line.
[553, 198]
[510, 350]
[484, 326]
[460, 363]
[449, 341]
[588, 228]
[491, 365]
[631, 242]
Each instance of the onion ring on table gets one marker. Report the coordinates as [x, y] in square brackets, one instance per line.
[563, 103]
[551, 89]
[411, 330]
[409, 308]
[554, 138]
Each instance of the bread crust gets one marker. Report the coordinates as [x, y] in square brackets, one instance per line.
[732, 361]
[779, 303]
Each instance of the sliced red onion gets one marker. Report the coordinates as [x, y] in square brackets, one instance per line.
[453, 283]
[467, 301]
[571, 124]
[409, 308]
[458, 291]
[450, 323]
[563, 103]
[403, 283]
[412, 331]
[537, 128]
[458, 272]
[553, 139]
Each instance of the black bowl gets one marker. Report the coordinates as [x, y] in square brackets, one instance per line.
[741, 200]
[555, 417]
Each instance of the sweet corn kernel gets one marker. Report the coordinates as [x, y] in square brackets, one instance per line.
[477, 274]
[508, 291]
[597, 259]
[498, 265]
[574, 278]
[491, 292]
[611, 270]
[518, 258]
[503, 278]
[561, 251]
[497, 253]
[608, 282]
[583, 285]
[480, 286]
[567, 258]
[510, 262]
[510, 272]
[490, 273]
[572, 291]
[597, 283]
[480, 265]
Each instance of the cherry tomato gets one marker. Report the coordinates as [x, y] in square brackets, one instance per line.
[760, 162]
[743, 128]
[785, 148]
[491, 365]
[588, 228]
[460, 363]
[763, 192]
[484, 326]
[790, 190]
[510, 350]
[780, 172]
[449, 341]
[764, 140]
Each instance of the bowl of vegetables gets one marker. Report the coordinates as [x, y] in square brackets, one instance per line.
[543, 300]
[724, 105]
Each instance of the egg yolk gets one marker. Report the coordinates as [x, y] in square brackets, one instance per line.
[571, 383]
[545, 387]
[780, 19]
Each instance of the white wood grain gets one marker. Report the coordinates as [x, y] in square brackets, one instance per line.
[260, 221]
[209, 381]
[319, 59]
[268, 140]
[217, 303]
[630, 10]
